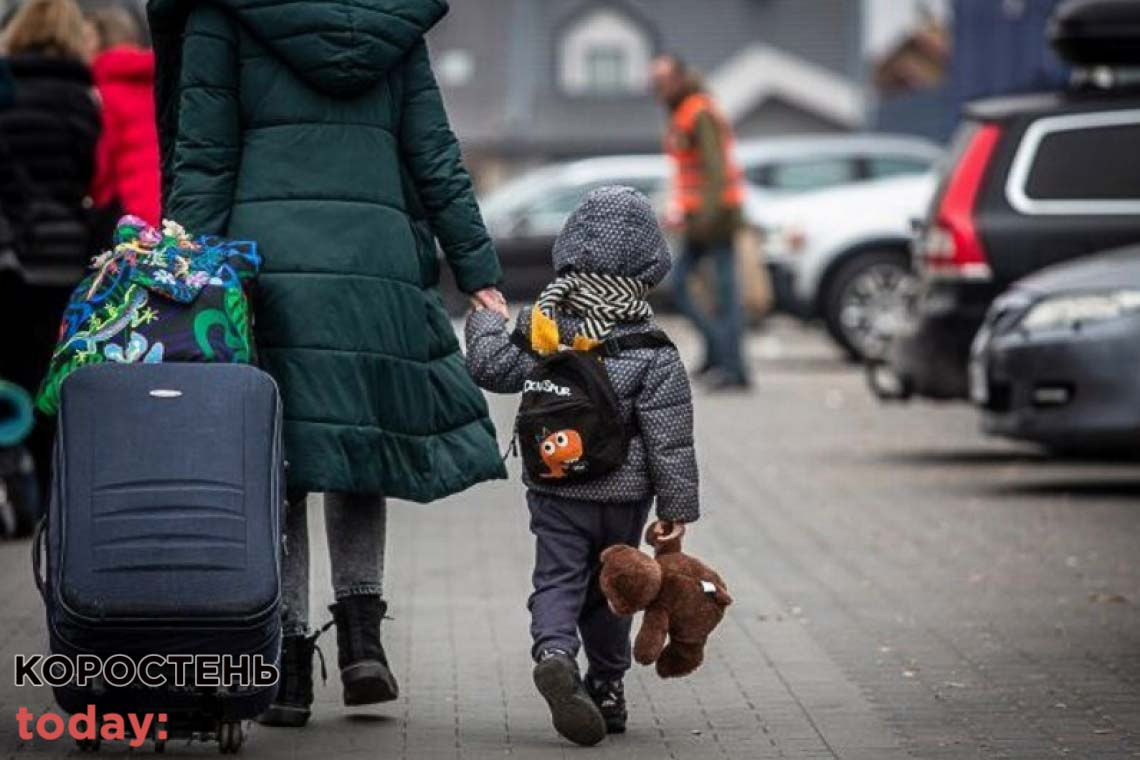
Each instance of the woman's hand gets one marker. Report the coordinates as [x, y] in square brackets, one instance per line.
[490, 298]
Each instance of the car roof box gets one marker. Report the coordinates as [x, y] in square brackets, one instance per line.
[1097, 32]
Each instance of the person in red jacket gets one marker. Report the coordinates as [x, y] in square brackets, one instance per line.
[127, 166]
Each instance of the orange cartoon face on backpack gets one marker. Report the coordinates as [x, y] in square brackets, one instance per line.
[560, 451]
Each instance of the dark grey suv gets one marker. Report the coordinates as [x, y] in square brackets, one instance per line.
[1032, 180]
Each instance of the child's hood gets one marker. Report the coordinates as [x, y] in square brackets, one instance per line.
[614, 230]
[340, 47]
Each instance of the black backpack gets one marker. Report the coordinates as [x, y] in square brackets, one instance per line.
[569, 424]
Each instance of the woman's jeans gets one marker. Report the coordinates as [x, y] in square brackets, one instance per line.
[355, 526]
[723, 329]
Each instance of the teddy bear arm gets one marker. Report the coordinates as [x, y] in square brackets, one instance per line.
[651, 637]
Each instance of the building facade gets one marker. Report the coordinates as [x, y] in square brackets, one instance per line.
[529, 81]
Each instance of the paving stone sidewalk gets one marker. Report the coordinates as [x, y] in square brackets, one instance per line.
[903, 589]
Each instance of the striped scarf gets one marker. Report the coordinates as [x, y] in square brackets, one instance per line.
[601, 300]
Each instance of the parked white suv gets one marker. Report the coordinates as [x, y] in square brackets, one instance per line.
[843, 255]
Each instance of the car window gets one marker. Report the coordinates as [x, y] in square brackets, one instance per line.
[561, 201]
[512, 196]
[879, 167]
[645, 185]
[813, 174]
[547, 215]
[1100, 163]
[1078, 163]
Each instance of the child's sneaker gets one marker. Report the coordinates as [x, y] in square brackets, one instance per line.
[572, 710]
[609, 696]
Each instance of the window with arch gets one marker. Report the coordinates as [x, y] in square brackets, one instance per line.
[604, 52]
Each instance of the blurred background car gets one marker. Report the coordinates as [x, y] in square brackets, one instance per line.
[843, 255]
[782, 166]
[1032, 180]
[525, 214]
[1057, 358]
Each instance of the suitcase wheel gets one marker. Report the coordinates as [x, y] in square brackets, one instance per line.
[230, 737]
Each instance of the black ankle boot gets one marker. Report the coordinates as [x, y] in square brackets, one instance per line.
[360, 655]
[572, 711]
[609, 696]
[291, 706]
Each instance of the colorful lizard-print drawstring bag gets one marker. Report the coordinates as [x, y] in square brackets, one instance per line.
[157, 296]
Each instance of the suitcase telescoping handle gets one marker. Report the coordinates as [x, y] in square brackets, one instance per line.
[38, 555]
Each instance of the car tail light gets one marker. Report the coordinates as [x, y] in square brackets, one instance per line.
[951, 248]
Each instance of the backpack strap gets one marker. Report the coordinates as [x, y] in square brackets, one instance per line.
[521, 341]
[611, 347]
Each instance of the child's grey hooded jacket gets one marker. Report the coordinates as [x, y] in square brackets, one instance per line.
[613, 231]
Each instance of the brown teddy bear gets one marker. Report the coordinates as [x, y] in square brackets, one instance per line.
[683, 598]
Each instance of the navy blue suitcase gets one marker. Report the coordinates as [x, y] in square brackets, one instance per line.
[163, 533]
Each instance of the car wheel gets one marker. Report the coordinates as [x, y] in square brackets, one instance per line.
[868, 299]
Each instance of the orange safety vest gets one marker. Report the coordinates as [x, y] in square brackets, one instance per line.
[680, 144]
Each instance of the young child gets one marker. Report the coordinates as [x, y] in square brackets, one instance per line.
[607, 258]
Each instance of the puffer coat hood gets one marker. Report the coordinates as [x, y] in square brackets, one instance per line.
[614, 230]
[339, 47]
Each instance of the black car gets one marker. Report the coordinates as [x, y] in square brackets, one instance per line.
[1032, 180]
[1057, 359]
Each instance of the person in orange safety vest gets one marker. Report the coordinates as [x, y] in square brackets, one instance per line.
[705, 206]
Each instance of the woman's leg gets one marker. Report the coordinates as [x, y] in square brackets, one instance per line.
[295, 568]
[730, 314]
[685, 268]
[356, 526]
[292, 705]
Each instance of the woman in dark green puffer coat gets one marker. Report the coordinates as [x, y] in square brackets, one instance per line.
[317, 129]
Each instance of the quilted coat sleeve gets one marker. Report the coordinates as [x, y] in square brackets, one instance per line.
[665, 415]
[207, 146]
[493, 360]
[433, 158]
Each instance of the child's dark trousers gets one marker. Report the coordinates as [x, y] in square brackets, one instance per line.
[569, 536]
